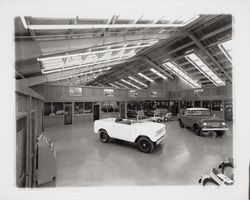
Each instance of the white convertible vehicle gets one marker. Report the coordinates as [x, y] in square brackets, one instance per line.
[145, 134]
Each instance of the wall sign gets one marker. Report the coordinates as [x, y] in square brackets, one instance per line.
[153, 94]
[198, 92]
[75, 91]
[133, 93]
[108, 92]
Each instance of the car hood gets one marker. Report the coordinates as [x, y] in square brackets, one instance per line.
[208, 119]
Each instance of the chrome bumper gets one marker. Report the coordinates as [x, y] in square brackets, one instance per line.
[160, 140]
[215, 129]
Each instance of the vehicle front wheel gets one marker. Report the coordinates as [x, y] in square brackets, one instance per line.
[104, 137]
[165, 119]
[197, 130]
[220, 133]
[209, 181]
[181, 124]
[145, 145]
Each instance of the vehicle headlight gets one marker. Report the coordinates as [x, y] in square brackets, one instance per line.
[223, 123]
[204, 123]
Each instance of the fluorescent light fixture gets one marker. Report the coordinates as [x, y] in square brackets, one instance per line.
[147, 78]
[121, 84]
[93, 56]
[203, 68]
[130, 84]
[130, 77]
[179, 72]
[158, 73]
[113, 85]
[226, 48]
[182, 22]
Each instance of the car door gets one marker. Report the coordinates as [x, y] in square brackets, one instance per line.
[121, 131]
[187, 118]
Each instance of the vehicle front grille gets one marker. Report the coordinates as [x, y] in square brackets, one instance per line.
[213, 124]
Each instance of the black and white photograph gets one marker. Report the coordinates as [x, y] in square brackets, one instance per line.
[127, 100]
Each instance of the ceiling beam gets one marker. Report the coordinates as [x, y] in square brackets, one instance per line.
[19, 74]
[155, 65]
[208, 54]
[217, 31]
[100, 26]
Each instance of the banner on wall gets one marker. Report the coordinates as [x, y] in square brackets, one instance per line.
[75, 91]
[133, 93]
[153, 94]
[108, 92]
[198, 92]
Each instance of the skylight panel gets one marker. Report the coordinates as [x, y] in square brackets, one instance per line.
[145, 77]
[203, 68]
[137, 81]
[131, 84]
[226, 48]
[180, 73]
[94, 56]
[158, 73]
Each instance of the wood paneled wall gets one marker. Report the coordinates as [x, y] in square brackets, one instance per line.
[53, 93]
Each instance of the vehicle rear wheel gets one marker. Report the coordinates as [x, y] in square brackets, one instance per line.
[197, 130]
[145, 145]
[181, 124]
[227, 169]
[158, 120]
[165, 119]
[104, 137]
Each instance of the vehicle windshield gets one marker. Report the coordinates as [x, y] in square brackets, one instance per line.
[201, 112]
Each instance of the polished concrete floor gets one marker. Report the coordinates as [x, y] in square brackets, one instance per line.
[82, 160]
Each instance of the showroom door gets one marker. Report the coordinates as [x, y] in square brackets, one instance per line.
[122, 110]
[96, 112]
[67, 113]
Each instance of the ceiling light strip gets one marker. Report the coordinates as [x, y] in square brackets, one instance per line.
[180, 73]
[113, 85]
[130, 77]
[225, 47]
[121, 84]
[203, 68]
[145, 77]
[131, 84]
[158, 73]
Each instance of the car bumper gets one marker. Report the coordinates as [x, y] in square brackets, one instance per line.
[160, 140]
[214, 129]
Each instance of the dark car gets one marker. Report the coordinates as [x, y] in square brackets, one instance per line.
[201, 121]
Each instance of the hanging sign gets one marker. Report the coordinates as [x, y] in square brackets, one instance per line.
[108, 92]
[75, 91]
[153, 94]
[198, 92]
[133, 93]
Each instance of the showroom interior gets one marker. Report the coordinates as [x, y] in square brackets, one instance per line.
[71, 72]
